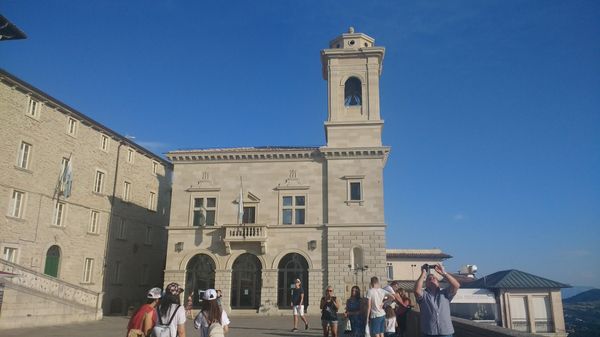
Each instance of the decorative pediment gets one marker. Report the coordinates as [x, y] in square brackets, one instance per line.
[203, 184]
[250, 198]
[292, 182]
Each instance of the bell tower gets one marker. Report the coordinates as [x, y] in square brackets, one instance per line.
[352, 66]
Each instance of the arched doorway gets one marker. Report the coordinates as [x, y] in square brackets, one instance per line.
[245, 282]
[200, 275]
[291, 267]
[52, 261]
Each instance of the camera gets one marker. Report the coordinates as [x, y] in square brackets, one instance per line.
[428, 266]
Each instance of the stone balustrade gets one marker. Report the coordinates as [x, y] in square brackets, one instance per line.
[245, 233]
[465, 328]
[51, 286]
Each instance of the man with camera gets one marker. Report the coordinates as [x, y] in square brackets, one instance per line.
[435, 302]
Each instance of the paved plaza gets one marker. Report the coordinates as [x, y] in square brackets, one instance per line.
[242, 326]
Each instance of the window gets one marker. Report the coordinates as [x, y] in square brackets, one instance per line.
[33, 109]
[390, 271]
[94, 220]
[17, 202]
[519, 313]
[355, 191]
[126, 190]
[64, 163]
[205, 210]
[10, 254]
[59, 213]
[154, 167]
[116, 276]
[294, 210]
[24, 154]
[352, 92]
[130, 155]
[249, 215]
[152, 201]
[148, 237]
[121, 230]
[99, 182]
[542, 310]
[104, 143]
[72, 126]
[356, 258]
[88, 269]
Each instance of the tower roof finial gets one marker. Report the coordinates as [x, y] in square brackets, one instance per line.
[351, 30]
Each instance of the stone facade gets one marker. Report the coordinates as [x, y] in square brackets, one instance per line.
[51, 233]
[314, 213]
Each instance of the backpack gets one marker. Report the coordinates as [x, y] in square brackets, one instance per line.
[216, 330]
[161, 329]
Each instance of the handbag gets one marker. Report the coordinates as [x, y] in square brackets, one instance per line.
[348, 329]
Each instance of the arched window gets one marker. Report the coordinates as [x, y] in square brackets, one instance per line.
[352, 92]
[52, 261]
[356, 258]
[200, 275]
[291, 267]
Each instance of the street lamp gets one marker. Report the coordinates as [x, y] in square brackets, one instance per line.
[362, 275]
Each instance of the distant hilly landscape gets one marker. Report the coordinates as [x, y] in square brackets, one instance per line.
[582, 314]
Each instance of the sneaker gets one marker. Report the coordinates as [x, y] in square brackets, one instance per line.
[294, 330]
[306, 326]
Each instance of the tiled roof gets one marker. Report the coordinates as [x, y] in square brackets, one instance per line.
[514, 279]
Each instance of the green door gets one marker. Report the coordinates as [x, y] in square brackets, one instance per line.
[52, 261]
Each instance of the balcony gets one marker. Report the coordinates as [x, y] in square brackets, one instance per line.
[245, 233]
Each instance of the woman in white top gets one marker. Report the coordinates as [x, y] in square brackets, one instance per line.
[170, 306]
[210, 313]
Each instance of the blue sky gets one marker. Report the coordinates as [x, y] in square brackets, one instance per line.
[492, 108]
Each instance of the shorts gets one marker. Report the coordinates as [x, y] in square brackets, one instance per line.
[326, 322]
[377, 325]
[298, 310]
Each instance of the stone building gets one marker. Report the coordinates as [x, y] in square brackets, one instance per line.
[251, 220]
[84, 212]
[405, 264]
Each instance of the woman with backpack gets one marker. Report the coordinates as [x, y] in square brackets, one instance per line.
[329, 308]
[171, 314]
[144, 319]
[211, 321]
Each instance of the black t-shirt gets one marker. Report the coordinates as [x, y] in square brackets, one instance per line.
[296, 293]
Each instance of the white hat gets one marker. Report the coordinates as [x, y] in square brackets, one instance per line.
[209, 294]
[154, 293]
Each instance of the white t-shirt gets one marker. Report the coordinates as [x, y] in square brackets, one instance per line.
[390, 324]
[178, 319]
[201, 323]
[376, 295]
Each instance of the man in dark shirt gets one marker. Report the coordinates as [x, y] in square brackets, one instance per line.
[435, 302]
[298, 304]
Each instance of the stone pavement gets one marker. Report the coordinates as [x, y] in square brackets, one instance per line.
[241, 326]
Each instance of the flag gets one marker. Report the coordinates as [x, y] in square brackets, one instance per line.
[67, 180]
[241, 204]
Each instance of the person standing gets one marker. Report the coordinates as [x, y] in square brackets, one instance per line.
[211, 313]
[329, 308]
[376, 314]
[435, 302]
[354, 312]
[170, 309]
[298, 304]
[404, 305]
[390, 321]
[144, 319]
[189, 305]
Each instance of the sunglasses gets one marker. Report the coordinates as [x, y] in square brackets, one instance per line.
[329, 290]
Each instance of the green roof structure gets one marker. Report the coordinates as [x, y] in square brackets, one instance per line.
[514, 279]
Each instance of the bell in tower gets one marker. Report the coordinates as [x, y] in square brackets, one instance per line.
[352, 66]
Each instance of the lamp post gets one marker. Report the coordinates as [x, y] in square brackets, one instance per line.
[362, 275]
